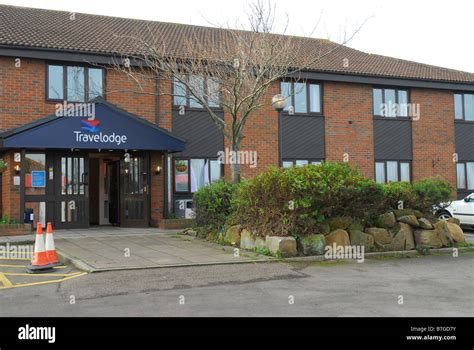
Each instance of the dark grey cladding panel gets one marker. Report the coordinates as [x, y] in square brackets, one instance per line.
[302, 137]
[202, 135]
[465, 141]
[392, 139]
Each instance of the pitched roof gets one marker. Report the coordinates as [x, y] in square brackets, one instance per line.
[55, 30]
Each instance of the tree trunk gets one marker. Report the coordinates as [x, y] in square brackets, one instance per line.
[235, 166]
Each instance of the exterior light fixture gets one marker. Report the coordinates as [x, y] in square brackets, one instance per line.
[279, 104]
[17, 169]
[158, 170]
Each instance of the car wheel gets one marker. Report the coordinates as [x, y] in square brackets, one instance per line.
[444, 215]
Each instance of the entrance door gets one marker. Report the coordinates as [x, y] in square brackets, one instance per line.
[134, 175]
[72, 204]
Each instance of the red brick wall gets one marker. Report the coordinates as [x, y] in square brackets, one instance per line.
[344, 103]
[10, 195]
[433, 135]
[157, 188]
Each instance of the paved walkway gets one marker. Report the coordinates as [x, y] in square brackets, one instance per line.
[122, 249]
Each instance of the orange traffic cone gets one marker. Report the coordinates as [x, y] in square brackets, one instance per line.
[40, 261]
[50, 248]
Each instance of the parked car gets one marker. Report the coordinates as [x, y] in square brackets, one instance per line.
[462, 209]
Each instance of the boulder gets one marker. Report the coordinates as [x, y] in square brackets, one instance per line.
[359, 238]
[340, 223]
[247, 240]
[340, 237]
[410, 220]
[313, 244]
[356, 226]
[425, 224]
[403, 238]
[404, 212]
[286, 246]
[427, 239]
[387, 220]
[449, 232]
[323, 228]
[232, 235]
[454, 221]
[381, 235]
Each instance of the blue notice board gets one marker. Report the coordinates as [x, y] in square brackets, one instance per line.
[38, 178]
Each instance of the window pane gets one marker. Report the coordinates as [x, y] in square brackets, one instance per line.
[75, 84]
[301, 162]
[181, 177]
[286, 92]
[179, 92]
[95, 83]
[470, 175]
[469, 107]
[196, 83]
[55, 82]
[380, 173]
[392, 171]
[461, 175]
[287, 164]
[458, 106]
[316, 163]
[213, 94]
[314, 98]
[405, 172]
[216, 170]
[390, 103]
[378, 102]
[35, 174]
[403, 103]
[300, 98]
[198, 174]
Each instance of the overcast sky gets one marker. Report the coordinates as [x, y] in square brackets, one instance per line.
[432, 32]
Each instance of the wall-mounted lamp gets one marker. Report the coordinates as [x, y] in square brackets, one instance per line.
[17, 169]
[158, 170]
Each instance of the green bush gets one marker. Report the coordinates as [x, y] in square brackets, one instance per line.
[397, 193]
[432, 192]
[212, 204]
[294, 201]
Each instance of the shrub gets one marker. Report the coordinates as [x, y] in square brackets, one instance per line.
[400, 192]
[431, 192]
[212, 204]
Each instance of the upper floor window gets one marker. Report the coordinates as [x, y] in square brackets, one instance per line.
[464, 107]
[302, 98]
[390, 102]
[206, 89]
[288, 163]
[74, 83]
[392, 171]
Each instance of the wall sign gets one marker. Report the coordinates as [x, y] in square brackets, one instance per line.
[38, 178]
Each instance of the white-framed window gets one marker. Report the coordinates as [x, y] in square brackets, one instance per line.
[190, 174]
[208, 89]
[288, 163]
[465, 175]
[392, 171]
[390, 102]
[464, 107]
[302, 97]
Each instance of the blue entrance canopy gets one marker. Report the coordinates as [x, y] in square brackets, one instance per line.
[104, 126]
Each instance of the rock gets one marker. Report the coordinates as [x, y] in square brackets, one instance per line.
[313, 244]
[454, 221]
[232, 235]
[404, 212]
[403, 238]
[356, 226]
[450, 232]
[286, 246]
[323, 228]
[259, 242]
[443, 233]
[381, 235]
[425, 224]
[387, 220]
[340, 237]
[427, 239]
[247, 240]
[359, 238]
[410, 220]
[456, 232]
[340, 223]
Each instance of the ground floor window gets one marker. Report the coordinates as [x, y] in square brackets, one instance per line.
[465, 175]
[392, 171]
[190, 174]
[288, 163]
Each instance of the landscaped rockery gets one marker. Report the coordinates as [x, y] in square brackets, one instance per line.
[302, 211]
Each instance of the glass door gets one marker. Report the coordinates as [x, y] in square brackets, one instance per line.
[72, 204]
[134, 188]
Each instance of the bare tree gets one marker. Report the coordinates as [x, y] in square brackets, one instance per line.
[233, 71]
